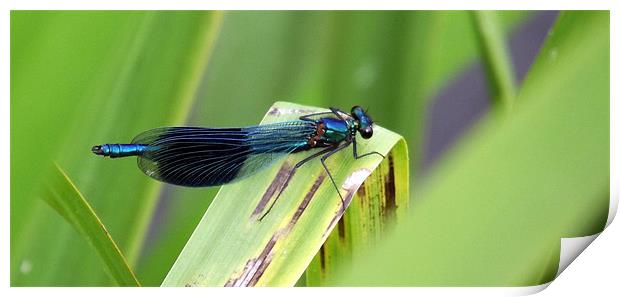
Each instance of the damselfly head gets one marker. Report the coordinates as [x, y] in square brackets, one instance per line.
[363, 121]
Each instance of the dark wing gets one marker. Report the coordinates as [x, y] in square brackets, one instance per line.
[202, 157]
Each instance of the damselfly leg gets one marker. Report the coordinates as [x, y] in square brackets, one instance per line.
[290, 175]
[346, 144]
[325, 154]
[356, 156]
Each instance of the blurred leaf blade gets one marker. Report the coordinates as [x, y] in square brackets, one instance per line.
[128, 72]
[230, 247]
[554, 184]
[496, 57]
[62, 195]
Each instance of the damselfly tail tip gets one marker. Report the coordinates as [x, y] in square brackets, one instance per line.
[97, 150]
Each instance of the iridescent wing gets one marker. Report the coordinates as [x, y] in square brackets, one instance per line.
[202, 157]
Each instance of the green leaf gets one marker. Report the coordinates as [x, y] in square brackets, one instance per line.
[85, 78]
[66, 199]
[371, 215]
[495, 209]
[496, 58]
[231, 247]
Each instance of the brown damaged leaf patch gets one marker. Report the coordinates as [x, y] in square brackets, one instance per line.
[276, 185]
[389, 189]
[255, 267]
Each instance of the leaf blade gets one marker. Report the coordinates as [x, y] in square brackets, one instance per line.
[229, 247]
[62, 195]
[494, 51]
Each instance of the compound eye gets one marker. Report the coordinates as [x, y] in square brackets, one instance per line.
[366, 132]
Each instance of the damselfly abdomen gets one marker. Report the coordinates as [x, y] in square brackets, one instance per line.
[204, 157]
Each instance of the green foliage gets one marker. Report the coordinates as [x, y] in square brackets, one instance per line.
[64, 197]
[84, 78]
[493, 212]
[496, 57]
[303, 57]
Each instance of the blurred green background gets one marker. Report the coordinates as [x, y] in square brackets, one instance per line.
[479, 203]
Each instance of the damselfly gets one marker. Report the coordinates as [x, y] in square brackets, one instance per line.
[204, 157]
